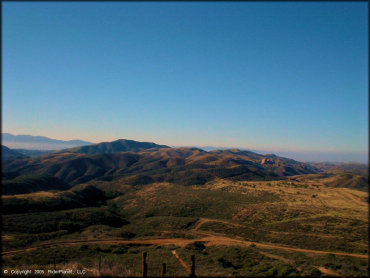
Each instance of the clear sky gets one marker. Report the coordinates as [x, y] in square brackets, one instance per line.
[284, 76]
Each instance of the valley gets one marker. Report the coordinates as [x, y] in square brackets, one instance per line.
[240, 213]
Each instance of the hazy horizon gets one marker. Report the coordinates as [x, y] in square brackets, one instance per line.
[301, 155]
[281, 77]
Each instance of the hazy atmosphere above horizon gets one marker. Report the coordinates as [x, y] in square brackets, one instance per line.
[285, 76]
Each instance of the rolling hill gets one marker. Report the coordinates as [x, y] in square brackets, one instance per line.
[7, 154]
[156, 163]
[348, 180]
[359, 168]
[337, 179]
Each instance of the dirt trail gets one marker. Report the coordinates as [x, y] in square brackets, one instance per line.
[201, 221]
[208, 240]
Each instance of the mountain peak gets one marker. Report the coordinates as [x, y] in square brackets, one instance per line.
[120, 145]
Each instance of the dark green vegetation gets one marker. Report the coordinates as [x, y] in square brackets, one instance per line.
[81, 196]
[238, 212]
[27, 184]
[70, 220]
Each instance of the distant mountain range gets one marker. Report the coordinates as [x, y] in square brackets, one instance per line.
[38, 145]
[38, 142]
[121, 145]
[135, 163]
[305, 156]
[142, 162]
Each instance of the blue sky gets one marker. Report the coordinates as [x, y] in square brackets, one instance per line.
[285, 76]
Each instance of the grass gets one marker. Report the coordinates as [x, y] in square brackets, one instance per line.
[183, 201]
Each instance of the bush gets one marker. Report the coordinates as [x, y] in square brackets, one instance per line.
[315, 272]
[198, 245]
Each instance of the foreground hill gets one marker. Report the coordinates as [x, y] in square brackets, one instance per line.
[234, 229]
[121, 145]
[156, 164]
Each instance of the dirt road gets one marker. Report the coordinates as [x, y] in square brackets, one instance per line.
[208, 241]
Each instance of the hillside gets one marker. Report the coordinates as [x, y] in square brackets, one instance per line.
[33, 153]
[179, 165]
[24, 184]
[85, 196]
[359, 168]
[348, 180]
[337, 178]
[8, 154]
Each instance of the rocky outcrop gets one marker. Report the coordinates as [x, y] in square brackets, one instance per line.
[267, 161]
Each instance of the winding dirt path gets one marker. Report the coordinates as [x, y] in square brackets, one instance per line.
[208, 240]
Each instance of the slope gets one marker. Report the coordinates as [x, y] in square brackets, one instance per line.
[185, 166]
[8, 154]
